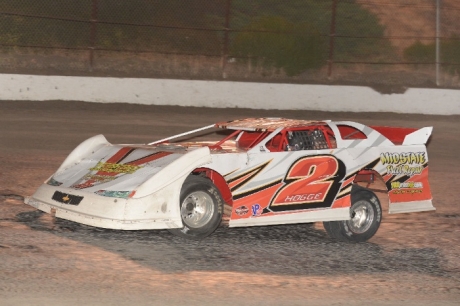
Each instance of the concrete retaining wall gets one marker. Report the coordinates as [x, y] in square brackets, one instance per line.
[220, 94]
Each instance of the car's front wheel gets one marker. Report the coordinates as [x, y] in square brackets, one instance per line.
[366, 215]
[201, 207]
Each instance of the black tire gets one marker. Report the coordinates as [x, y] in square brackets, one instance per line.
[201, 208]
[366, 215]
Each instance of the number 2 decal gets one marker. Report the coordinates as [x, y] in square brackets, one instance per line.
[311, 182]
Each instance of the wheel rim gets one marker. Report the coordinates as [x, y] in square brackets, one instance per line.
[197, 209]
[362, 217]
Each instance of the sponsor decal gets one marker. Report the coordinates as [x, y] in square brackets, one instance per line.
[404, 170]
[410, 163]
[256, 211]
[84, 185]
[99, 178]
[399, 185]
[242, 210]
[407, 191]
[304, 197]
[115, 168]
[403, 158]
[406, 187]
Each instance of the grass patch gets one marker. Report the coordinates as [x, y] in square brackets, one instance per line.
[426, 53]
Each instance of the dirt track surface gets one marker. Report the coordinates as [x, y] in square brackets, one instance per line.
[412, 260]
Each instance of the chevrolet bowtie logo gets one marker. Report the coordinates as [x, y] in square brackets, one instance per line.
[66, 198]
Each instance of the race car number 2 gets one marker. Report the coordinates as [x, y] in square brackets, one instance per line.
[310, 182]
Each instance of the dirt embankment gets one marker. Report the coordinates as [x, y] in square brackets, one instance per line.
[404, 21]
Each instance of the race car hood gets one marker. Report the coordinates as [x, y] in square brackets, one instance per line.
[124, 169]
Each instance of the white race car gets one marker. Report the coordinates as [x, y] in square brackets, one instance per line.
[261, 172]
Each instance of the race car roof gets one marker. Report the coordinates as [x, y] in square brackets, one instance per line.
[265, 124]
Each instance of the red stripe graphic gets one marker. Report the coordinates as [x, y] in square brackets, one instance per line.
[120, 155]
[148, 158]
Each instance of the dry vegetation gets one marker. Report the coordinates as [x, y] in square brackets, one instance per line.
[415, 18]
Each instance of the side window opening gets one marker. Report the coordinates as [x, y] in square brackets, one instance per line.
[306, 140]
[248, 139]
[277, 143]
[315, 138]
[350, 133]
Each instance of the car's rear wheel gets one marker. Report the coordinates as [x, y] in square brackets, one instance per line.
[366, 215]
[201, 207]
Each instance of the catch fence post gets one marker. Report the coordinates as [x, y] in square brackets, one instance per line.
[331, 39]
[226, 38]
[92, 38]
[438, 33]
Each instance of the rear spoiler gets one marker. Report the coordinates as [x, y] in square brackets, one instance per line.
[418, 137]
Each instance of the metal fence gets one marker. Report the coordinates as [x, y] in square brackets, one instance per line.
[388, 44]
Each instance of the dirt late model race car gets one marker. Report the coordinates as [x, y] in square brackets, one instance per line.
[262, 171]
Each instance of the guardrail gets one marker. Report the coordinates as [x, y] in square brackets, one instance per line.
[223, 94]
